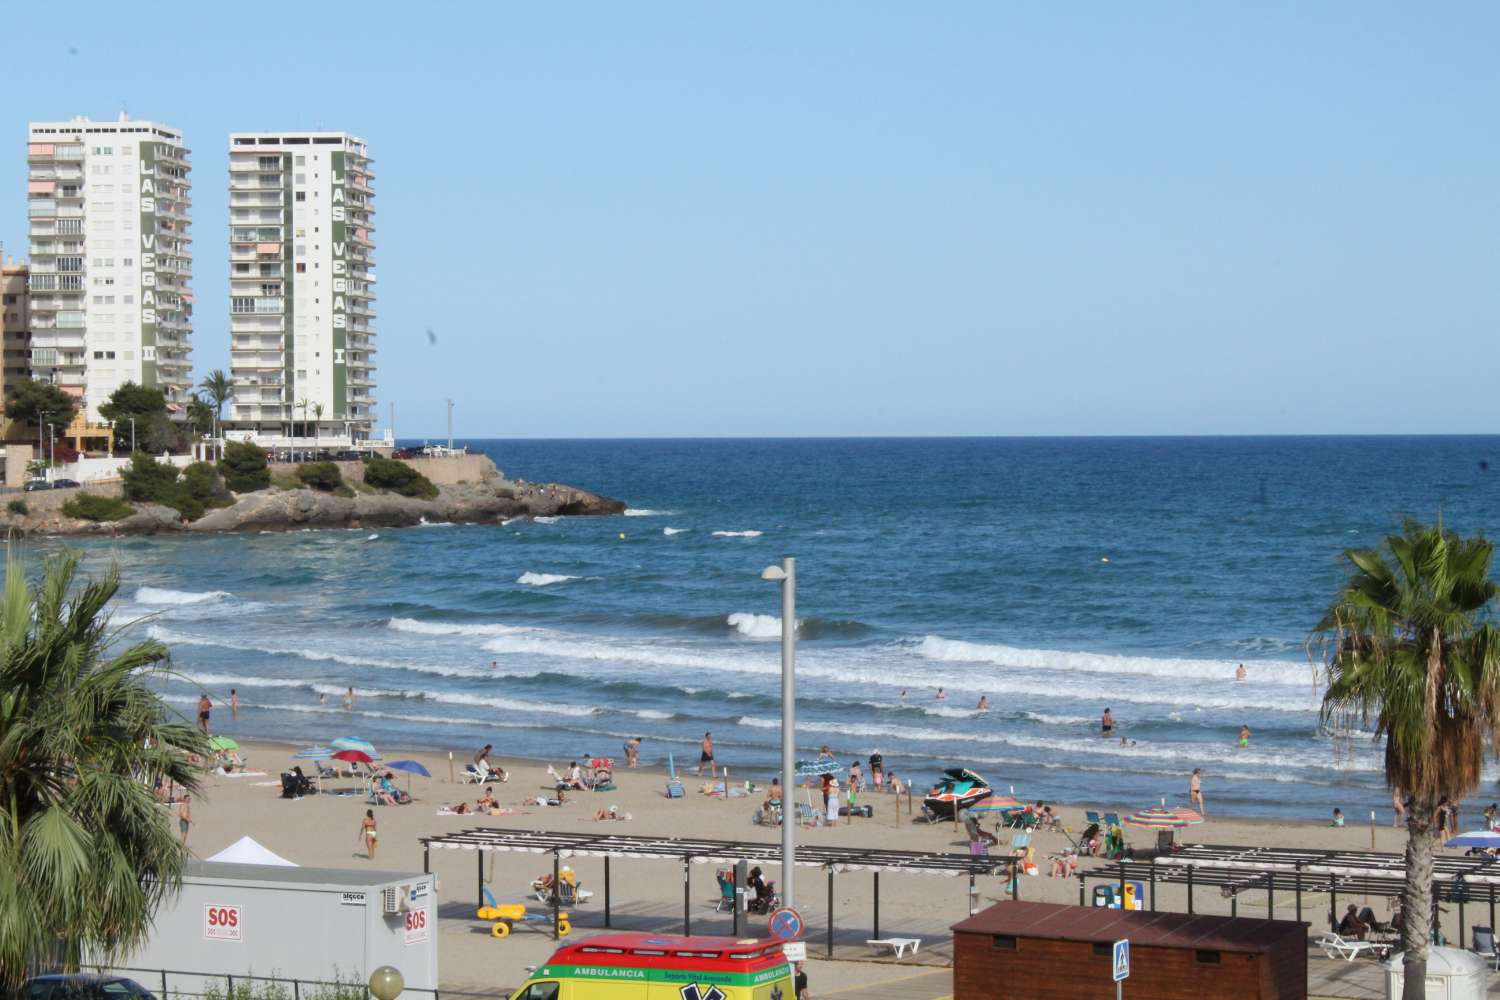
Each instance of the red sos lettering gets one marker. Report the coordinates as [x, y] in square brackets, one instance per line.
[416, 920]
[223, 917]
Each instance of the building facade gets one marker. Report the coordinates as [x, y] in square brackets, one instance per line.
[15, 328]
[302, 288]
[111, 265]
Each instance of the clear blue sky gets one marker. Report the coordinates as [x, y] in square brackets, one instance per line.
[807, 219]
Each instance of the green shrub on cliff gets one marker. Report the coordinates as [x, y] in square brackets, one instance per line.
[398, 477]
[244, 467]
[94, 507]
[323, 476]
[189, 492]
[18, 508]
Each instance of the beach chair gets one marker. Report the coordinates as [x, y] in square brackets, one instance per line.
[470, 775]
[1337, 947]
[1019, 843]
[897, 946]
[674, 787]
[1484, 944]
[1090, 816]
[1111, 819]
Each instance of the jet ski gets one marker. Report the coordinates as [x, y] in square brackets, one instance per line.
[956, 790]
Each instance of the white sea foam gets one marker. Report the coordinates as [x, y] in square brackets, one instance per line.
[674, 531]
[1280, 672]
[645, 512]
[542, 579]
[545, 520]
[754, 723]
[162, 596]
[755, 626]
[738, 534]
[451, 628]
[511, 520]
[422, 522]
[224, 680]
[651, 713]
[1059, 720]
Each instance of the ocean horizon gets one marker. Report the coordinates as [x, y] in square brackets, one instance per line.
[1056, 576]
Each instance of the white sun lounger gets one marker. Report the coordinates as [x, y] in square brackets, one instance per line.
[896, 945]
[1335, 946]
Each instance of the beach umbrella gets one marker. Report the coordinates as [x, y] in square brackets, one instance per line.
[1164, 818]
[351, 743]
[814, 768]
[1475, 838]
[996, 803]
[411, 767]
[353, 756]
[313, 753]
[222, 743]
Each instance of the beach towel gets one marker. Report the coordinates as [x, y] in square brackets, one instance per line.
[244, 774]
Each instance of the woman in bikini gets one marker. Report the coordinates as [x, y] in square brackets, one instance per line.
[369, 832]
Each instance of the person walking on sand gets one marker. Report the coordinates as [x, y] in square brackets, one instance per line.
[707, 756]
[1107, 724]
[1398, 808]
[1239, 674]
[204, 708]
[369, 832]
[185, 816]
[234, 704]
[1244, 737]
[1195, 792]
[633, 750]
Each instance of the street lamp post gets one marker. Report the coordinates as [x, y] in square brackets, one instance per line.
[450, 427]
[786, 575]
[132, 435]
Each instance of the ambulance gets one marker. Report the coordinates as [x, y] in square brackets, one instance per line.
[659, 967]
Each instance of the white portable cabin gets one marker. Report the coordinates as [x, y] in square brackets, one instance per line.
[291, 923]
[1452, 974]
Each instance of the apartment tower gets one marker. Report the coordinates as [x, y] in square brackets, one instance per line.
[15, 327]
[301, 314]
[110, 263]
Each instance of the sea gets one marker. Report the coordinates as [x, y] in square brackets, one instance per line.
[1055, 577]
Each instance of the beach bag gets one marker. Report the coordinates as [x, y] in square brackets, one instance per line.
[865, 811]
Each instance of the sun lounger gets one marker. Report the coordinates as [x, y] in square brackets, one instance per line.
[1335, 946]
[896, 945]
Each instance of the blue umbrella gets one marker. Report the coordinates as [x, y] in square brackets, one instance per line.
[1475, 838]
[313, 753]
[415, 767]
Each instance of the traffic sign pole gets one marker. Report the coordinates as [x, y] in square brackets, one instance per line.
[1121, 963]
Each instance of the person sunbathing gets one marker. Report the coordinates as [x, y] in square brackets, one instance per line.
[574, 780]
[1063, 865]
[613, 812]
[487, 800]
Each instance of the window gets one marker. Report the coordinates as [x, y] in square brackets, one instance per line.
[540, 991]
[1206, 957]
[270, 288]
[1104, 949]
[300, 196]
[1003, 942]
[241, 305]
[242, 269]
[301, 268]
[70, 264]
[128, 300]
[269, 162]
[10, 300]
[104, 355]
[128, 262]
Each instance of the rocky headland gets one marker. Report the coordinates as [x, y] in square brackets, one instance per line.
[484, 495]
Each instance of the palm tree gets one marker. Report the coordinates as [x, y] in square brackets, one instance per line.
[1411, 642]
[83, 739]
[218, 388]
[318, 426]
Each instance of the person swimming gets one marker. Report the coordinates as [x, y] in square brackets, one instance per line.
[1244, 736]
[984, 703]
[1239, 674]
[1107, 724]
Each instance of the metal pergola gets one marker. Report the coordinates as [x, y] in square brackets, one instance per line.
[690, 851]
[1459, 879]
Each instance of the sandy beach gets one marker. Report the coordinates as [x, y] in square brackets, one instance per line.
[323, 831]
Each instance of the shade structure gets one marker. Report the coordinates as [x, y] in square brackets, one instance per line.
[1164, 818]
[353, 743]
[1475, 838]
[353, 756]
[996, 803]
[411, 766]
[246, 851]
[222, 743]
[313, 753]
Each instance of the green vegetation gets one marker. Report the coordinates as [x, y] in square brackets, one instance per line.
[277, 989]
[323, 476]
[84, 736]
[1411, 643]
[155, 432]
[18, 507]
[190, 492]
[37, 403]
[283, 480]
[131, 400]
[96, 507]
[398, 477]
[244, 467]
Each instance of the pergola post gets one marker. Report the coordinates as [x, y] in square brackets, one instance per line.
[1234, 901]
[973, 895]
[1190, 888]
[606, 890]
[687, 898]
[877, 902]
[1082, 891]
[830, 911]
[426, 859]
[1015, 882]
[1333, 903]
[556, 894]
[1270, 896]
[1492, 906]
[1297, 883]
[479, 879]
[1153, 888]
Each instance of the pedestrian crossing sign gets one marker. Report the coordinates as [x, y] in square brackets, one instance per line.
[1122, 960]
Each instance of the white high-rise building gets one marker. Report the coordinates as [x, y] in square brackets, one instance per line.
[110, 265]
[301, 316]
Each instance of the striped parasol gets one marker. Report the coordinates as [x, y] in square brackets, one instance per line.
[313, 753]
[1164, 818]
[351, 743]
[996, 803]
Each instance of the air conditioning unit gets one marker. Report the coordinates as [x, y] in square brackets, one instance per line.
[395, 899]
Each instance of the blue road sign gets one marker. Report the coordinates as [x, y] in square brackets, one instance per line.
[786, 924]
[1122, 960]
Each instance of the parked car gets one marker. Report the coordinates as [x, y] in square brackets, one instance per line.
[403, 453]
[32, 485]
[83, 986]
[65, 484]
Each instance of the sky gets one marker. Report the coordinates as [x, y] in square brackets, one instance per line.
[860, 218]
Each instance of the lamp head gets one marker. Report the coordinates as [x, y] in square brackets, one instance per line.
[774, 573]
[386, 983]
